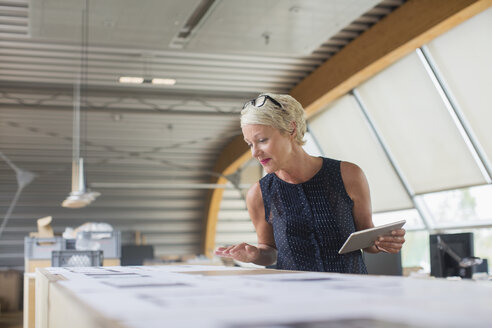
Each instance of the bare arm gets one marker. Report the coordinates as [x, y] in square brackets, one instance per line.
[357, 188]
[265, 253]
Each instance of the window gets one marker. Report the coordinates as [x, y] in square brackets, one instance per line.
[417, 128]
[414, 221]
[415, 251]
[461, 207]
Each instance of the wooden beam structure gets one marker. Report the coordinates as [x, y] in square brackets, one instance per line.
[235, 154]
[413, 24]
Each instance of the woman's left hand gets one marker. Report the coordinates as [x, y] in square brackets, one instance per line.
[391, 243]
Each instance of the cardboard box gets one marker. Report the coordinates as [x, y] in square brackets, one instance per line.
[10, 290]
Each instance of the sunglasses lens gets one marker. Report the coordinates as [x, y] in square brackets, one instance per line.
[260, 101]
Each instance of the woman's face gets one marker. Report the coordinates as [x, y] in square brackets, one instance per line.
[268, 146]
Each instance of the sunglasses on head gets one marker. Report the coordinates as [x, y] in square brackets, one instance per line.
[261, 100]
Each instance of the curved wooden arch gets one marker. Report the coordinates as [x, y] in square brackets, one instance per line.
[234, 155]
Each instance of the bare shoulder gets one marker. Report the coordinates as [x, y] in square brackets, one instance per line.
[353, 178]
[254, 197]
[350, 168]
[350, 171]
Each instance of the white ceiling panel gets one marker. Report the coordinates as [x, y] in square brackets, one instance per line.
[138, 24]
[274, 27]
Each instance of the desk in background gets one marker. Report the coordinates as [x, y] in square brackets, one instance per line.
[227, 297]
[29, 286]
[38, 253]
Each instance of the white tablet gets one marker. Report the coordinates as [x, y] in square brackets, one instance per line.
[365, 238]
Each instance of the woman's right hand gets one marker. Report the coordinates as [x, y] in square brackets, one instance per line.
[241, 252]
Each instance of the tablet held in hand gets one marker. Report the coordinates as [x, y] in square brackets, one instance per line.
[366, 238]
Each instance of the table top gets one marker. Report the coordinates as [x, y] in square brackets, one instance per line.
[233, 297]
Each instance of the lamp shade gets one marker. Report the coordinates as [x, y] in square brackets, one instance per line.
[80, 196]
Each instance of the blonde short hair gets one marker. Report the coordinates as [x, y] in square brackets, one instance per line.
[279, 118]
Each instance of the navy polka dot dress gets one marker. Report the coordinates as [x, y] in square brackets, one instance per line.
[311, 221]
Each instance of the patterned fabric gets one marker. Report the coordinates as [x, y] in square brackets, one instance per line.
[311, 221]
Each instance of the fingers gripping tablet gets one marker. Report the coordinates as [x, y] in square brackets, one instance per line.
[365, 238]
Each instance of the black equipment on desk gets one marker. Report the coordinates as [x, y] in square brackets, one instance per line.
[383, 263]
[136, 254]
[453, 255]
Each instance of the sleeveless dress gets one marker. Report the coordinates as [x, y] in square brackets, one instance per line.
[311, 221]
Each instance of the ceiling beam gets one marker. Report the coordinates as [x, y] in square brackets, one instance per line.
[413, 24]
[95, 108]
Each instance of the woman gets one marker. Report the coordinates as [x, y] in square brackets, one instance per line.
[305, 207]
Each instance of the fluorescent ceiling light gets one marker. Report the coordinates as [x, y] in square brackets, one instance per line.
[140, 80]
[164, 81]
[131, 79]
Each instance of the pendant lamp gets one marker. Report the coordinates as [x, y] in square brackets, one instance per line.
[80, 196]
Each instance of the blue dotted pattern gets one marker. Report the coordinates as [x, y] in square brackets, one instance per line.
[311, 221]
